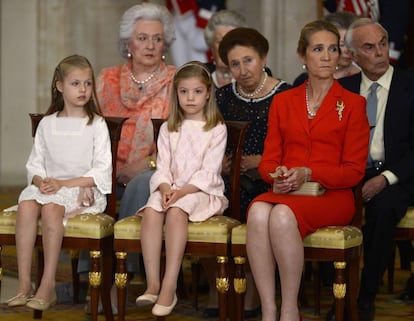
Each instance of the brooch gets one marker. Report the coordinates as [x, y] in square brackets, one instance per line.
[340, 106]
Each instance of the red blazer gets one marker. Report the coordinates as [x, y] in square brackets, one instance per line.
[334, 144]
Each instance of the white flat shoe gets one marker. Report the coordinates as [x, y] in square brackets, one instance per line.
[20, 299]
[146, 299]
[162, 310]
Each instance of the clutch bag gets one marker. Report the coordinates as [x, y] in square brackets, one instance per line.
[307, 188]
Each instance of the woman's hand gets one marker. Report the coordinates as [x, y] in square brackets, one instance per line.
[248, 162]
[281, 180]
[290, 180]
[226, 165]
[129, 171]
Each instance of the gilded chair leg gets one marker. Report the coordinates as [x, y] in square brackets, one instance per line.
[222, 285]
[339, 290]
[95, 280]
[121, 278]
[240, 284]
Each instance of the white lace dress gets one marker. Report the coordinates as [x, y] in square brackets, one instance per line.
[64, 148]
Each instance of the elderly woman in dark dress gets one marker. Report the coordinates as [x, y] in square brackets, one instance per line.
[248, 98]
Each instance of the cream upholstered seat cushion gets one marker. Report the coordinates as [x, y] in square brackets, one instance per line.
[238, 234]
[94, 226]
[334, 237]
[408, 220]
[8, 222]
[214, 230]
[331, 237]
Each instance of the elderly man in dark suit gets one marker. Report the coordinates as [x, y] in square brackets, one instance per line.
[389, 182]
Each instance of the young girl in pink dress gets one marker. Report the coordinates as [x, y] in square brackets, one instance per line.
[187, 184]
[69, 172]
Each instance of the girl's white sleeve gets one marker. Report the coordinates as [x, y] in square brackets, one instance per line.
[101, 170]
[35, 164]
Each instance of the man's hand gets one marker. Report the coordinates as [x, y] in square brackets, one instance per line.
[373, 186]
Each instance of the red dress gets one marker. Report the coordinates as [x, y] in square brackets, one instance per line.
[334, 145]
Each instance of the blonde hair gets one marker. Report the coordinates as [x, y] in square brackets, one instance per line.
[211, 111]
[61, 71]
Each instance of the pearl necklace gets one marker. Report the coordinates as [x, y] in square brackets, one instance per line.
[311, 113]
[258, 89]
[141, 83]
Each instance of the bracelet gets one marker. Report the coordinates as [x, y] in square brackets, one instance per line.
[307, 174]
[151, 163]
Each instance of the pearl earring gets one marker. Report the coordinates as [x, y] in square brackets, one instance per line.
[336, 67]
[163, 57]
[304, 67]
[129, 55]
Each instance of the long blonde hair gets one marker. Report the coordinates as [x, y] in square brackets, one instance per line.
[211, 111]
[61, 71]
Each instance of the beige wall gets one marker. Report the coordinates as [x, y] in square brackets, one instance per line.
[36, 34]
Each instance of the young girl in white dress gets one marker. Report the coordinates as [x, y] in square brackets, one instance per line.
[187, 183]
[69, 172]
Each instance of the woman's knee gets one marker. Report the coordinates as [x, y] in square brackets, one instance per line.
[282, 217]
[258, 215]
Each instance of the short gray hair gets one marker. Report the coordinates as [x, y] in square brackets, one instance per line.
[222, 18]
[145, 11]
[349, 35]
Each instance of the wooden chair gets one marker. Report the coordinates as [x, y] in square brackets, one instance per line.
[340, 244]
[403, 231]
[93, 232]
[209, 238]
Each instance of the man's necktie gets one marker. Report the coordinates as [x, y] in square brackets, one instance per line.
[372, 102]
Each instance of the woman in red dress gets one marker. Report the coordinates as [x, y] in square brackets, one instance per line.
[316, 132]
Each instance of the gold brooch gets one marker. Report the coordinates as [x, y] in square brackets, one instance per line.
[340, 106]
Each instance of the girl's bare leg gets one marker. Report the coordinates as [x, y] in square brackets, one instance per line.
[176, 231]
[26, 230]
[52, 236]
[151, 242]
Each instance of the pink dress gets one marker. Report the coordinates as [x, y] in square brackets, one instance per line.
[191, 156]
